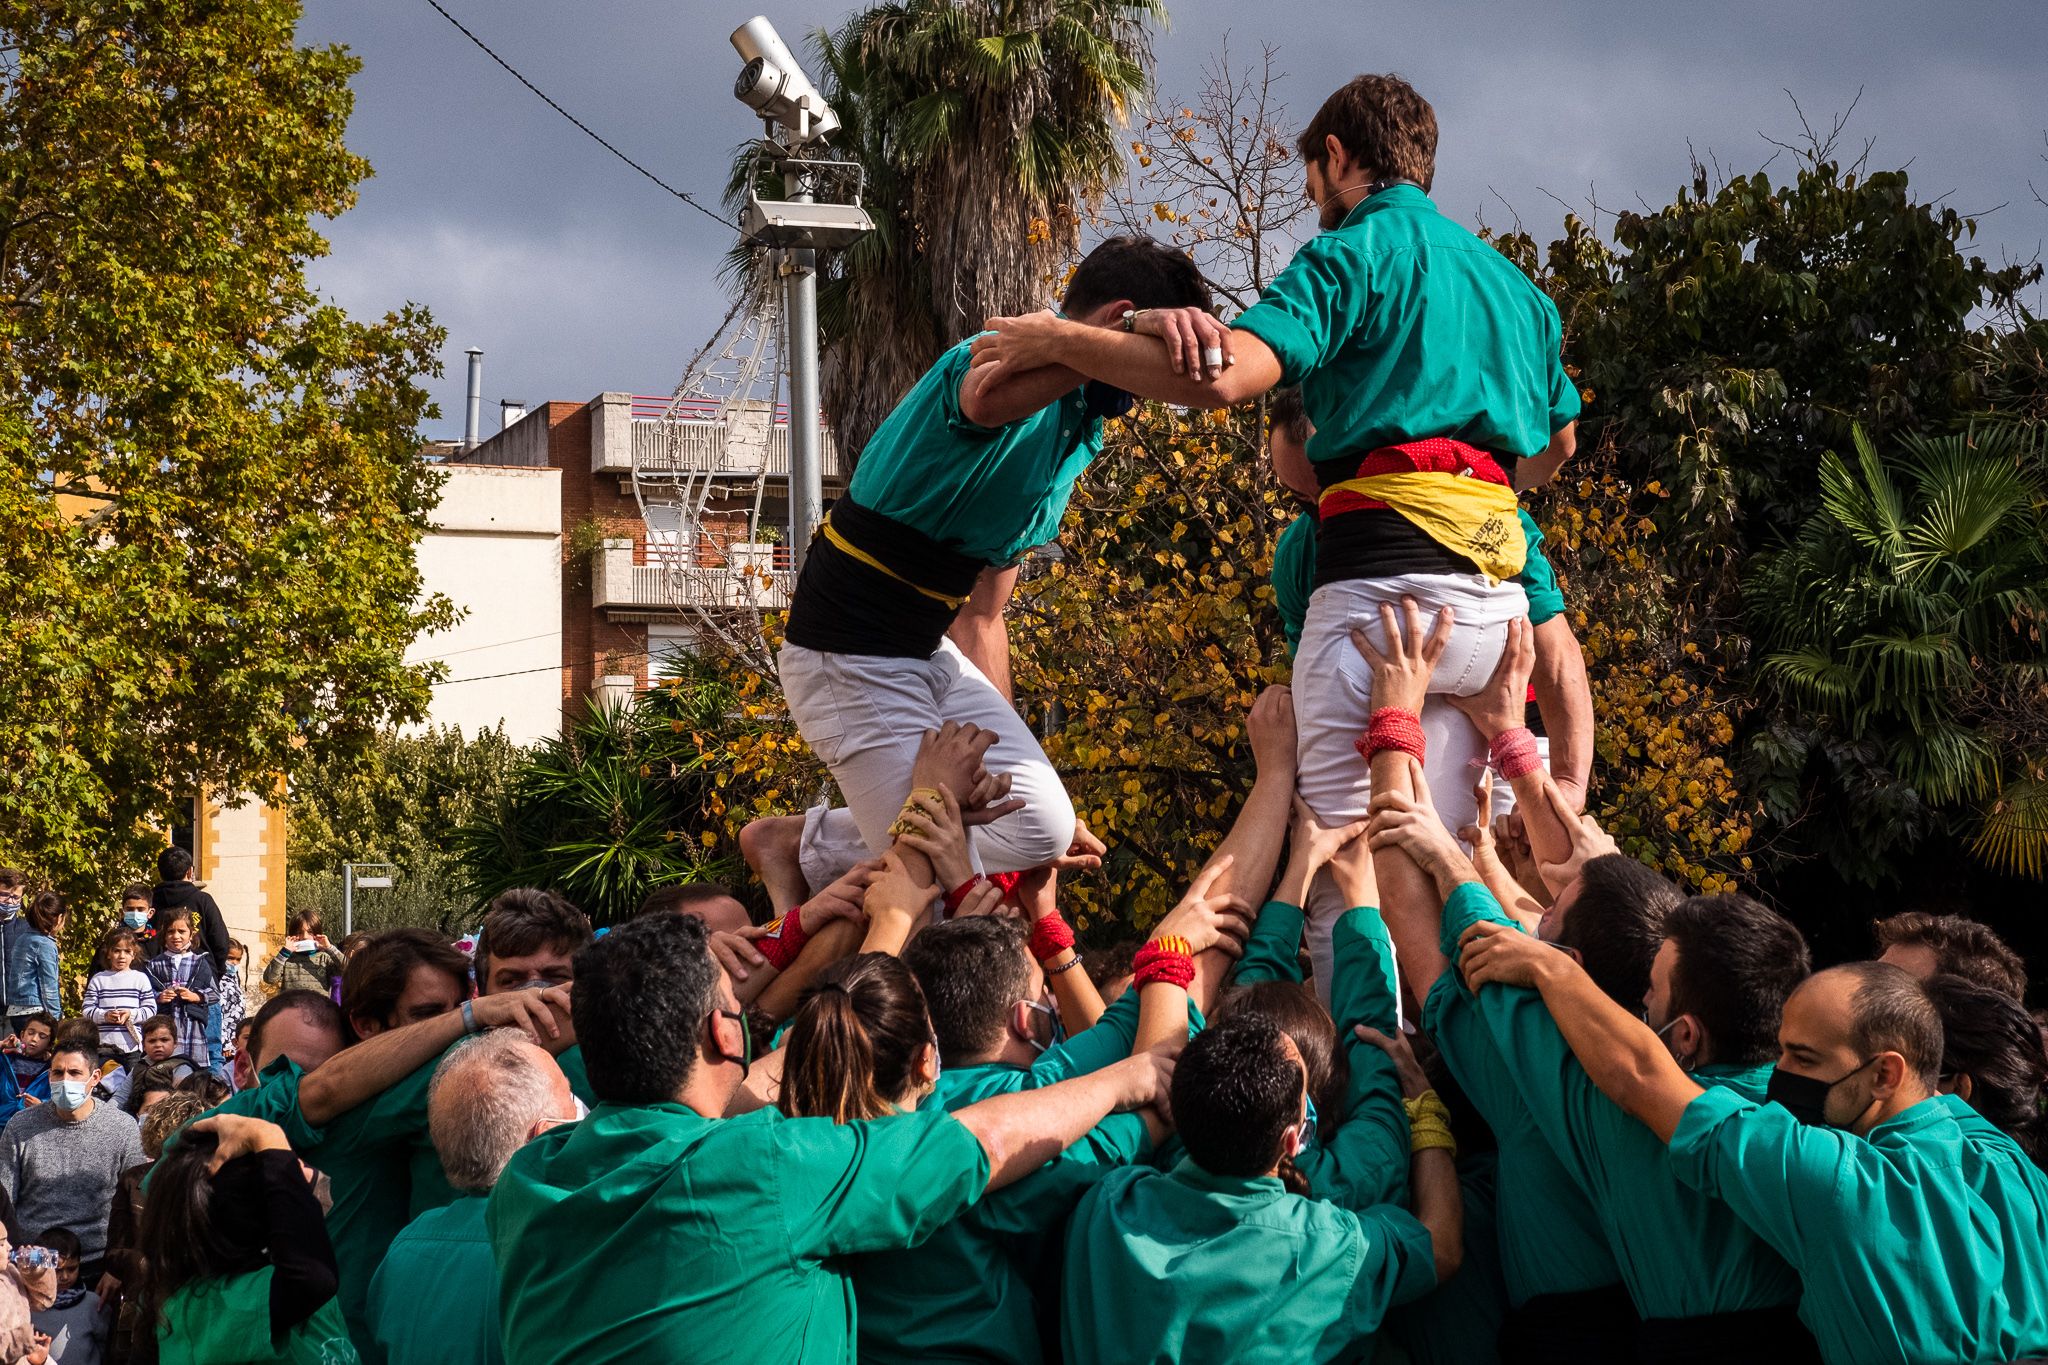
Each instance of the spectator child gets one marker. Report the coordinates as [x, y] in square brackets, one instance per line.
[29, 1049]
[233, 1002]
[136, 916]
[74, 1323]
[238, 1254]
[13, 888]
[28, 1282]
[184, 983]
[32, 963]
[307, 962]
[119, 998]
[159, 1053]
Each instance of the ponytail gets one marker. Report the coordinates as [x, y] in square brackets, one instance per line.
[830, 1070]
[855, 1041]
[1291, 1177]
[1989, 1037]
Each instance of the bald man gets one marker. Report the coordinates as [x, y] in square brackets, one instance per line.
[1918, 1228]
[435, 1299]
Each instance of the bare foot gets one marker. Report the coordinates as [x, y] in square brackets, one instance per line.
[770, 847]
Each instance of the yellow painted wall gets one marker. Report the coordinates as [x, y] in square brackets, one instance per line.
[239, 856]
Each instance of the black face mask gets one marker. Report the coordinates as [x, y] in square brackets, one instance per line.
[746, 1057]
[1805, 1097]
[1103, 400]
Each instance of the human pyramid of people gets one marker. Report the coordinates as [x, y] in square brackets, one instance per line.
[1419, 1067]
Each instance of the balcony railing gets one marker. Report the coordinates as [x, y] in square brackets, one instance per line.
[743, 579]
[701, 448]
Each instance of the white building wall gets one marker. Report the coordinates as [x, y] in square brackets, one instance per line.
[496, 552]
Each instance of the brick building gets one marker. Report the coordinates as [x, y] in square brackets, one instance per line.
[634, 581]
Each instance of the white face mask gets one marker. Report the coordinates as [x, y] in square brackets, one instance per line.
[70, 1096]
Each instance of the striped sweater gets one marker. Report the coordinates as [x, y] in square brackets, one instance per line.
[130, 990]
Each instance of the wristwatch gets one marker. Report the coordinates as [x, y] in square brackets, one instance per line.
[1131, 318]
[469, 1024]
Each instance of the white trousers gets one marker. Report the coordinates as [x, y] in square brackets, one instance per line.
[1333, 687]
[864, 715]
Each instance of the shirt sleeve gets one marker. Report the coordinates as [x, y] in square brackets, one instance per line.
[952, 371]
[1108, 1040]
[1273, 952]
[879, 1185]
[1294, 577]
[1042, 1201]
[1773, 1170]
[1368, 1156]
[1312, 307]
[1398, 1266]
[1538, 578]
[10, 1164]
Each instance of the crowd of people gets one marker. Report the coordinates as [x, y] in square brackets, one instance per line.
[1421, 1067]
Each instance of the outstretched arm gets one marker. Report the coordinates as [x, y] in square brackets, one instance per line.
[1619, 1051]
[1252, 847]
[1024, 1129]
[1564, 698]
[990, 398]
[1132, 361]
[357, 1074]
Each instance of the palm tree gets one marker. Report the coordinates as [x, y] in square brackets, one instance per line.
[985, 127]
[1909, 620]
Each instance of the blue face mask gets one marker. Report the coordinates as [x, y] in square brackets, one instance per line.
[70, 1096]
[1059, 1032]
[1308, 1130]
[135, 919]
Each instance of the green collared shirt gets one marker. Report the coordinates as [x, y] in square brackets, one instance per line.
[1362, 1160]
[991, 493]
[1926, 1241]
[1551, 1241]
[225, 1320]
[971, 1290]
[1294, 576]
[648, 1230]
[1401, 325]
[1188, 1266]
[434, 1300]
[1680, 1253]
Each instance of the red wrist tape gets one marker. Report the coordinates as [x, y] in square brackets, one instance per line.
[1007, 881]
[1514, 753]
[1050, 936]
[1153, 963]
[958, 895]
[784, 940]
[1392, 728]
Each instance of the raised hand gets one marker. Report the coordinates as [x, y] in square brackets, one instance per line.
[1207, 918]
[735, 951]
[1401, 671]
[1026, 342]
[932, 825]
[1270, 726]
[843, 899]
[951, 756]
[1084, 854]
[1503, 703]
[1145, 1079]
[1589, 841]
[1494, 953]
[240, 1135]
[989, 800]
[1414, 1080]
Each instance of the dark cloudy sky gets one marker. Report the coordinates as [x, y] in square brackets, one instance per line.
[576, 276]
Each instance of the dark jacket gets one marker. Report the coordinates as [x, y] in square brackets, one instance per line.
[174, 900]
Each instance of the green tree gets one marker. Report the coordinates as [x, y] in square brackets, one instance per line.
[209, 478]
[619, 805]
[396, 803]
[1901, 634]
[985, 129]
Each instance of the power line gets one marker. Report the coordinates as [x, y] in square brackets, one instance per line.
[587, 129]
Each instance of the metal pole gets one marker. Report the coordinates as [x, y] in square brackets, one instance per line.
[473, 416]
[348, 899]
[806, 491]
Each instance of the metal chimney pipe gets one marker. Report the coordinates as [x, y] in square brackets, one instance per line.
[473, 421]
[510, 410]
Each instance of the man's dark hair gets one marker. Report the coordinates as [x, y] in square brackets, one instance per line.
[642, 994]
[1382, 123]
[1285, 412]
[526, 920]
[1148, 273]
[136, 891]
[1987, 1036]
[376, 976]
[74, 1044]
[61, 1240]
[1890, 1011]
[1961, 947]
[315, 1008]
[1616, 924]
[173, 863]
[682, 896]
[1235, 1090]
[1295, 1010]
[971, 971]
[1738, 962]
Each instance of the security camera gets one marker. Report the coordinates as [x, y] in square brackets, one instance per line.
[774, 86]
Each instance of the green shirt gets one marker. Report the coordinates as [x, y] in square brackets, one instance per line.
[1459, 1321]
[1680, 1253]
[989, 492]
[1401, 325]
[1294, 576]
[434, 1300]
[1362, 1159]
[1188, 1266]
[1551, 1241]
[227, 1322]
[1926, 1242]
[647, 1229]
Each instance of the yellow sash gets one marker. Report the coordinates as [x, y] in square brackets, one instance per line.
[1465, 515]
[831, 533]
